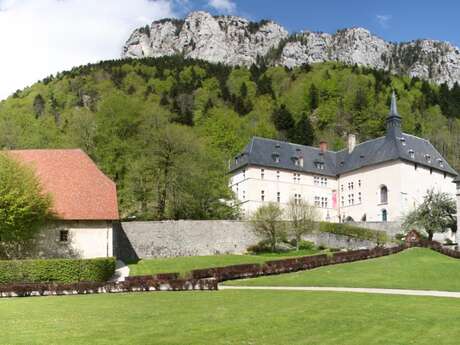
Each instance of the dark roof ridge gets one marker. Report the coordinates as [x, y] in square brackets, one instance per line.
[290, 143]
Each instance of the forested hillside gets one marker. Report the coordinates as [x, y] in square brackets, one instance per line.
[165, 128]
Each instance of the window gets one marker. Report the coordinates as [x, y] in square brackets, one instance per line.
[316, 180]
[236, 160]
[297, 198]
[359, 183]
[324, 202]
[323, 181]
[359, 198]
[384, 215]
[63, 235]
[262, 195]
[341, 187]
[343, 200]
[317, 201]
[319, 165]
[262, 173]
[278, 175]
[244, 173]
[277, 159]
[415, 166]
[441, 163]
[278, 196]
[244, 194]
[411, 154]
[403, 141]
[428, 158]
[296, 177]
[383, 194]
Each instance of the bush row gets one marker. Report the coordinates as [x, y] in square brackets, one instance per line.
[354, 231]
[292, 264]
[134, 285]
[56, 270]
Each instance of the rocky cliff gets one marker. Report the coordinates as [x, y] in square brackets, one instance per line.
[237, 41]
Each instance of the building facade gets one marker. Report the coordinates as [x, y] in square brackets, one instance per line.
[83, 199]
[377, 180]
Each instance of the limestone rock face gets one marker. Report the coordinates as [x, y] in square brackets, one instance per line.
[228, 39]
[236, 41]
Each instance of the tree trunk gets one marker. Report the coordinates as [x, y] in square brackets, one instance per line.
[430, 235]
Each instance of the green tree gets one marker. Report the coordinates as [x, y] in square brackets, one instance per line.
[24, 207]
[282, 118]
[437, 213]
[267, 223]
[303, 132]
[313, 97]
[303, 217]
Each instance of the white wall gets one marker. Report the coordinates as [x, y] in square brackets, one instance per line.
[87, 239]
[359, 190]
[248, 184]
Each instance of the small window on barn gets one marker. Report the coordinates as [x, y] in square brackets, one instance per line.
[64, 236]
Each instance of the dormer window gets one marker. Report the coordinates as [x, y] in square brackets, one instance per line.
[298, 161]
[277, 146]
[441, 163]
[236, 160]
[276, 157]
[403, 141]
[428, 158]
[319, 165]
[411, 153]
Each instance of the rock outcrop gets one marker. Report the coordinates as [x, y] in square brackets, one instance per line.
[236, 41]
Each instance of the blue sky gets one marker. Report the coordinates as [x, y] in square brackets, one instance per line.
[392, 20]
[55, 35]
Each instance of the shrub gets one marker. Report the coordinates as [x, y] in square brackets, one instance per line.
[354, 231]
[306, 245]
[56, 270]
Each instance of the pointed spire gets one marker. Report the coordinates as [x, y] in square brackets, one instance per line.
[394, 106]
[393, 119]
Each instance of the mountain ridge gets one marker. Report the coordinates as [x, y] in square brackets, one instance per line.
[235, 41]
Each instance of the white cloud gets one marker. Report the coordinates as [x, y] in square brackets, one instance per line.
[224, 6]
[384, 20]
[41, 37]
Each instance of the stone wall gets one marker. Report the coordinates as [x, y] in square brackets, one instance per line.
[391, 228]
[135, 240]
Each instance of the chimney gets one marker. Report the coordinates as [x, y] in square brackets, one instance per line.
[323, 146]
[351, 142]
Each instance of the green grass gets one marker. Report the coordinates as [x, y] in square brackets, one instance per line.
[185, 264]
[416, 268]
[230, 317]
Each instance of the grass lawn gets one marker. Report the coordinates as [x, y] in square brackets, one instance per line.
[187, 263]
[415, 268]
[230, 317]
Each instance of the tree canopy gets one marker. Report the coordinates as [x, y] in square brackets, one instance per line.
[437, 213]
[24, 208]
[117, 111]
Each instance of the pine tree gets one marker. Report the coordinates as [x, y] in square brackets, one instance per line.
[283, 119]
[313, 97]
[303, 132]
[39, 106]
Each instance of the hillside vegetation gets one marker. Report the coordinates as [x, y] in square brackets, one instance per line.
[164, 129]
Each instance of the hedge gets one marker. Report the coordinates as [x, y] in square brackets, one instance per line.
[56, 270]
[354, 231]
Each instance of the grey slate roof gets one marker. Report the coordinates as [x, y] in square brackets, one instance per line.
[395, 145]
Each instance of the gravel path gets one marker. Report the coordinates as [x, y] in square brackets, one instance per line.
[345, 289]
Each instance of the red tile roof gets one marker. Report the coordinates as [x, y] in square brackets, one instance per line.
[79, 189]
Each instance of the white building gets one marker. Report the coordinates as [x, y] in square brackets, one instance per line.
[377, 180]
[84, 200]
